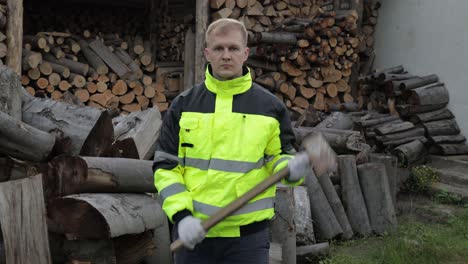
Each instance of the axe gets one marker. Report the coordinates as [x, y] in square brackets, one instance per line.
[322, 158]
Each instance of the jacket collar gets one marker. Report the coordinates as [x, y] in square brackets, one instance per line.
[231, 87]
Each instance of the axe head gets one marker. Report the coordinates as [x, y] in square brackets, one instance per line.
[322, 156]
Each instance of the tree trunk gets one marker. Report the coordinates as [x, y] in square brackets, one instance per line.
[410, 153]
[353, 200]
[429, 96]
[93, 59]
[447, 139]
[202, 11]
[22, 141]
[418, 82]
[110, 59]
[283, 228]
[450, 149]
[72, 174]
[390, 163]
[14, 34]
[442, 127]
[337, 120]
[103, 215]
[80, 130]
[10, 96]
[375, 187]
[393, 128]
[414, 132]
[189, 60]
[407, 110]
[302, 217]
[138, 132]
[436, 115]
[326, 222]
[23, 221]
[336, 205]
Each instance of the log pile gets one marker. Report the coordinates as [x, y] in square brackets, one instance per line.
[417, 107]
[299, 51]
[366, 39]
[3, 33]
[93, 174]
[106, 63]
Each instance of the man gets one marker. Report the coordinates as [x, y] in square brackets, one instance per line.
[218, 140]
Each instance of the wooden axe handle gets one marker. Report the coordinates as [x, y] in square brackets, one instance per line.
[238, 203]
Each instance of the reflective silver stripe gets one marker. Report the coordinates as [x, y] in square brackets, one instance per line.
[258, 205]
[269, 158]
[224, 165]
[160, 156]
[280, 160]
[172, 190]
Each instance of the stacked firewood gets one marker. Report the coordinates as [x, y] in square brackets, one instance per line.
[418, 108]
[359, 198]
[366, 39]
[102, 68]
[98, 209]
[298, 51]
[3, 23]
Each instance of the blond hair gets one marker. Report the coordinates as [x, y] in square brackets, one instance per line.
[224, 25]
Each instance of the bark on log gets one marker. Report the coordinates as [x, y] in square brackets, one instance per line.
[442, 127]
[320, 249]
[93, 59]
[14, 169]
[22, 141]
[337, 141]
[283, 228]
[276, 38]
[110, 59]
[390, 163]
[337, 120]
[436, 115]
[450, 149]
[326, 222]
[72, 174]
[377, 121]
[136, 135]
[189, 60]
[10, 96]
[80, 130]
[447, 139]
[374, 183]
[417, 82]
[103, 215]
[415, 132]
[73, 66]
[429, 95]
[201, 24]
[23, 221]
[353, 200]
[393, 128]
[302, 217]
[407, 110]
[14, 34]
[336, 205]
[410, 153]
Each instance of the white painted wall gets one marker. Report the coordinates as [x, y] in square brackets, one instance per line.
[426, 37]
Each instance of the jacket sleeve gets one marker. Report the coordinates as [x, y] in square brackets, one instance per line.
[280, 146]
[168, 167]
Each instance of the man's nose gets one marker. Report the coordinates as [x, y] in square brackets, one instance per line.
[226, 54]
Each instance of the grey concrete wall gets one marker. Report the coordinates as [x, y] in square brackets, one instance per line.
[426, 37]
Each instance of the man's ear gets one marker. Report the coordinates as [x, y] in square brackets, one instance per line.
[207, 54]
[246, 53]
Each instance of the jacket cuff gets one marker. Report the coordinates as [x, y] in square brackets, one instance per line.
[180, 215]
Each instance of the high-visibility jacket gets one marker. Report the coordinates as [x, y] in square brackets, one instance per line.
[218, 140]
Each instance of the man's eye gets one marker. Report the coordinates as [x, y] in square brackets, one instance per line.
[234, 49]
[218, 49]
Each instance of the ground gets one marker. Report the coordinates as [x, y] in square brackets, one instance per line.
[429, 232]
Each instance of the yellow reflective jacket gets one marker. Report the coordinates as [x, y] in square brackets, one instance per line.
[218, 140]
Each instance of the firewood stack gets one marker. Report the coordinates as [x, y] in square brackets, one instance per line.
[3, 23]
[98, 207]
[299, 52]
[366, 39]
[106, 63]
[418, 111]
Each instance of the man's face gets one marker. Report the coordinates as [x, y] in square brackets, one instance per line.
[226, 53]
